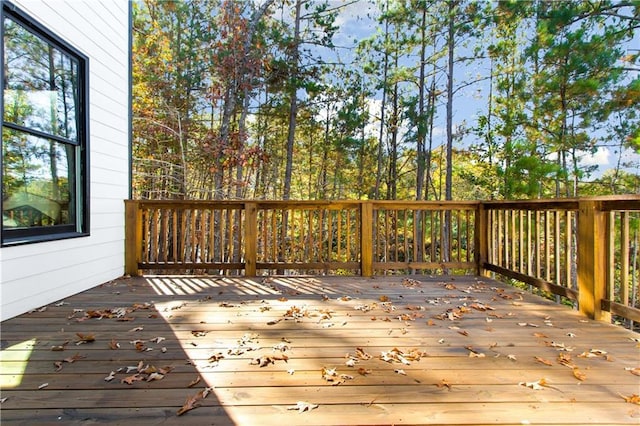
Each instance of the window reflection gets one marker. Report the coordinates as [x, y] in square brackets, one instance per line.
[38, 181]
[40, 87]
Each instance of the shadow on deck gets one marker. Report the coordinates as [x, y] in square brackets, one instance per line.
[384, 350]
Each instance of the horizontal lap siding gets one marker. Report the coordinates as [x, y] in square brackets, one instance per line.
[37, 274]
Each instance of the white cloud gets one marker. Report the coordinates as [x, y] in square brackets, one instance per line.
[598, 158]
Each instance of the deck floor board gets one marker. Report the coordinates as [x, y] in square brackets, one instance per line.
[468, 348]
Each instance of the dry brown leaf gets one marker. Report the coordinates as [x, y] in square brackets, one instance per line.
[85, 338]
[633, 399]
[113, 344]
[360, 353]
[383, 298]
[635, 371]
[579, 374]
[364, 371]
[463, 332]
[541, 335]
[131, 379]
[194, 382]
[58, 365]
[444, 384]
[59, 348]
[544, 361]
[110, 377]
[193, 401]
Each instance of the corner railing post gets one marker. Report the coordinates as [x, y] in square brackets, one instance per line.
[132, 237]
[250, 238]
[481, 239]
[591, 258]
[366, 239]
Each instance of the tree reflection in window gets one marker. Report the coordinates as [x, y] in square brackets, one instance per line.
[42, 142]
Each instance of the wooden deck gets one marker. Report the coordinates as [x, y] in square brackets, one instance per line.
[457, 350]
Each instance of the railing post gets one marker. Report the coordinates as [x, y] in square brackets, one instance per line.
[366, 239]
[132, 237]
[481, 239]
[250, 238]
[591, 258]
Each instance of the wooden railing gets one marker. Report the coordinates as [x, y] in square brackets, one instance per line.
[582, 250]
[313, 236]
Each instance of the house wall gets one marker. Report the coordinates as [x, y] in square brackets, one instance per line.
[37, 274]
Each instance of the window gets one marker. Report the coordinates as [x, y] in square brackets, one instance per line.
[44, 134]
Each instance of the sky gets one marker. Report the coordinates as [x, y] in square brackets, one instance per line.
[355, 22]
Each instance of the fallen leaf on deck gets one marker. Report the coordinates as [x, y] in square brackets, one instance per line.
[539, 385]
[384, 298]
[579, 374]
[512, 357]
[303, 406]
[444, 384]
[3, 400]
[194, 382]
[110, 377]
[193, 401]
[544, 361]
[155, 376]
[131, 379]
[463, 332]
[85, 338]
[360, 353]
[136, 329]
[635, 371]
[74, 358]
[565, 359]
[473, 354]
[44, 385]
[199, 333]
[113, 344]
[58, 365]
[364, 371]
[541, 335]
[58, 348]
[157, 339]
[401, 372]
[633, 399]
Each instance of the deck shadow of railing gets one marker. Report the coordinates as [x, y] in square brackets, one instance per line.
[583, 250]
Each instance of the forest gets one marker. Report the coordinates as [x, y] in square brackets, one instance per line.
[385, 99]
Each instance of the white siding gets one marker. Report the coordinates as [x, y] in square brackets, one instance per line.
[37, 274]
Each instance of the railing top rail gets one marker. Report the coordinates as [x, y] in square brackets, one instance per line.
[605, 203]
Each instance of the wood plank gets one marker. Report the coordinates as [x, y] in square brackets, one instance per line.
[244, 319]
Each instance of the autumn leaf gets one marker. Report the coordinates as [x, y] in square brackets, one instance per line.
[58, 365]
[110, 377]
[59, 348]
[193, 401]
[113, 344]
[131, 379]
[85, 338]
[539, 385]
[303, 406]
[633, 399]
[360, 353]
[635, 371]
[383, 298]
[543, 361]
[194, 382]
[364, 371]
[42, 386]
[444, 384]
[155, 376]
[579, 374]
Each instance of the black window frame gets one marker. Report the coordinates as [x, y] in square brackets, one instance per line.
[80, 228]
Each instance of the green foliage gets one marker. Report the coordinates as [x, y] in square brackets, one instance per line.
[214, 82]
